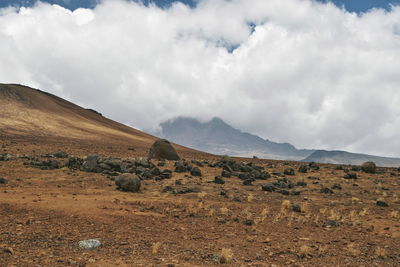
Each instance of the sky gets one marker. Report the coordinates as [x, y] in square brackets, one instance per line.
[315, 74]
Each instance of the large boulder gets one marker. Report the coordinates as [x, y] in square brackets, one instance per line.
[128, 182]
[162, 149]
[368, 167]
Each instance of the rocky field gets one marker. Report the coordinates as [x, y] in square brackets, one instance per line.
[201, 210]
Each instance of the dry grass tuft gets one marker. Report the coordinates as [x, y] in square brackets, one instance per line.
[224, 211]
[380, 253]
[286, 204]
[226, 256]
[353, 250]
[250, 197]
[305, 251]
[394, 214]
[155, 248]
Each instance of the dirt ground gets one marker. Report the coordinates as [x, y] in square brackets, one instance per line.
[45, 213]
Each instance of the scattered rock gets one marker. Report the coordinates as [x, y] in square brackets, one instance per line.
[332, 223]
[337, 187]
[368, 167]
[248, 222]
[195, 171]
[226, 174]
[314, 166]
[350, 175]
[185, 190]
[89, 244]
[90, 163]
[289, 171]
[326, 190]
[3, 180]
[248, 182]
[74, 163]
[128, 182]
[382, 203]
[268, 188]
[59, 154]
[49, 164]
[296, 208]
[182, 166]
[5, 157]
[283, 192]
[301, 183]
[303, 168]
[162, 149]
[219, 180]
[7, 250]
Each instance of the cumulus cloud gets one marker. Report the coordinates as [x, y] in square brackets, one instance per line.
[303, 72]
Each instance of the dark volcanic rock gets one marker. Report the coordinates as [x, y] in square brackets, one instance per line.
[350, 175]
[314, 166]
[288, 171]
[368, 167]
[74, 163]
[326, 190]
[226, 174]
[49, 164]
[301, 183]
[90, 163]
[60, 154]
[296, 208]
[332, 223]
[3, 180]
[337, 187]
[382, 203]
[128, 182]
[219, 180]
[5, 157]
[248, 182]
[186, 190]
[195, 171]
[268, 188]
[303, 168]
[162, 149]
[182, 166]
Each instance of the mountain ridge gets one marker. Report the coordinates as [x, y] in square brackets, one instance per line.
[218, 137]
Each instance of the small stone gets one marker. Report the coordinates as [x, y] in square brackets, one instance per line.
[3, 180]
[332, 223]
[350, 176]
[326, 190]
[219, 180]
[248, 222]
[289, 171]
[382, 203]
[195, 171]
[89, 244]
[248, 182]
[337, 187]
[296, 208]
[303, 168]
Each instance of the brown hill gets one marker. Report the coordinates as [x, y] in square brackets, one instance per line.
[31, 114]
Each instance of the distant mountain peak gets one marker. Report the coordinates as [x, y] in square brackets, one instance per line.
[218, 137]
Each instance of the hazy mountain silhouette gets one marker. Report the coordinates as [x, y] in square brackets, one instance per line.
[343, 157]
[218, 137]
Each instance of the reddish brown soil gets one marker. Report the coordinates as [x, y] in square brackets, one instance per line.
[45, 213]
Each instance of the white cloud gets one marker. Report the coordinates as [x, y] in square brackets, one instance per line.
[311, 74]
